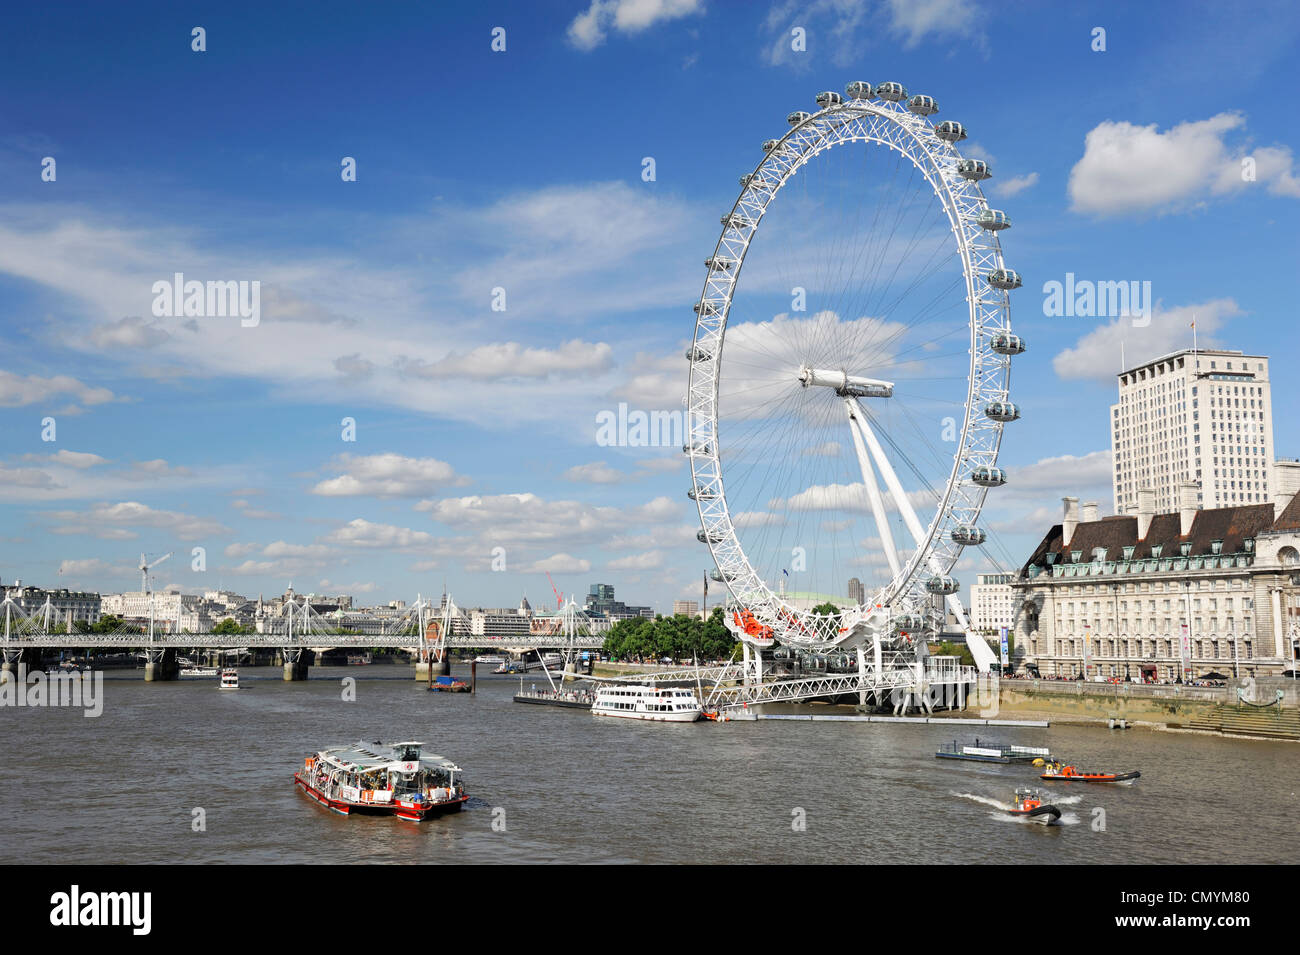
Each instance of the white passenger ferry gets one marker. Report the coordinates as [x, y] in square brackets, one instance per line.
[394, 780]
[229, 679]
[666, 704]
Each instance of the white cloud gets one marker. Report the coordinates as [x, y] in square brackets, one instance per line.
[1015, 185]
[119, 521]
[73, 459]
[128, 333]
[387, 475]
[363, 533]
[914, 20]
[512, 360]
[1097, 355]
[647, 561]
[597, 472]
[1127, 168]
[559, 564]
[17, 390]
[590, 28]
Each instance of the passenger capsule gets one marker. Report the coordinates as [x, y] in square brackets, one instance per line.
[705, 308]
[828, 99]
[968, 535]
[717, 263]
[950, 132]
[894, 92]
[860, 90]
[746, 179]
[974, 169]
[1001, 411]
[989, 477]
[695, 449]
[1004, 279]
[705, 495]
[720, 577]
[697, 354]
[734, 220]
[797, 117]
[942, 585]
[703, 538]
[993, 219]
[1004, 343]
[923, 105]
[908, 621]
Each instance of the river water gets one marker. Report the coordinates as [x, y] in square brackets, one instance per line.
[570, 787]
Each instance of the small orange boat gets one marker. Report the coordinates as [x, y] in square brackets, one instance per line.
[1030, 804]
[1056, 771]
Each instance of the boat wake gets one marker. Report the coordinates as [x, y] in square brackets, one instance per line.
[1004, 809]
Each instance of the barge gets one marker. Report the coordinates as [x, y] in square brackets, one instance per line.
[993, 753]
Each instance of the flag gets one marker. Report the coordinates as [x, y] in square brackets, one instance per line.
[706, 583]
[784, 571]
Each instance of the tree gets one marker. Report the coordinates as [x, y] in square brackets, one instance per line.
[827, 609]
[228, 626]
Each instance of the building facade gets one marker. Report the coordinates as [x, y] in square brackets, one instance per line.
[1194, 416]
[1163, 596]
[65, 605]
[689, 608]
[991, 603]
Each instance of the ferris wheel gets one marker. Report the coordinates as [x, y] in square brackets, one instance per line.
[847, 393]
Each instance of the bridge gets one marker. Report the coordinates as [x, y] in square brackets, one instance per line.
[426, 631]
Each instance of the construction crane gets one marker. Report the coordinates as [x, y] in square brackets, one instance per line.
[559, 601]
[145, 567]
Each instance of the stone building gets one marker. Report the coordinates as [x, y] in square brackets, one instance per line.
[1154, 596]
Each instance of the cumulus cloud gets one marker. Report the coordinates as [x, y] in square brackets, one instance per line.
[387, 475]
[1015, 185]
[122, 520]
[17, 390]
[597, 472]
[1128, 168]
[1097, 356]
[363, 533]
[128, 333]
[513, 360]
[559, 564]
[591, 28]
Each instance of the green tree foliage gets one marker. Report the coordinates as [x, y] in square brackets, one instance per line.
[679, 637]
[827, 609]
[950, 649]
[230, 626]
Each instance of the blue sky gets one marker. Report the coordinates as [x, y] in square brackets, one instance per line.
[521, 169]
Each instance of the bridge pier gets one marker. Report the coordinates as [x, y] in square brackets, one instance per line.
[12, 658]
[296, 664]
[160, 666]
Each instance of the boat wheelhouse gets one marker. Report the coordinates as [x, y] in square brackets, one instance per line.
[397, 779]
[663, 704]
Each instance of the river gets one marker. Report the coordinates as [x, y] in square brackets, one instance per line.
[558, 785]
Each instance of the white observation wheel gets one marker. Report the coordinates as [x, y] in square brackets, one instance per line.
[847, 395]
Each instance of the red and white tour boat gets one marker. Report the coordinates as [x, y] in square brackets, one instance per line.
[383, 780]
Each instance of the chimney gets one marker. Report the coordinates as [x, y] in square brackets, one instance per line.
[1071, 520]
[1186, 506]
[1146, 510]
[1089, 512]
[1286, 482]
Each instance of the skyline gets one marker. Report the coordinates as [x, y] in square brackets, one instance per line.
[478, 428]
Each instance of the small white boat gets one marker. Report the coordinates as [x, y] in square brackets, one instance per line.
[229, 679]
[199, 671]
[640, 702]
